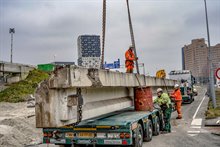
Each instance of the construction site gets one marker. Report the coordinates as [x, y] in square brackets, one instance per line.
[90, 101]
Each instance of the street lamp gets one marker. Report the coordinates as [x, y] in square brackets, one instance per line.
[11, 31]
[211, 74]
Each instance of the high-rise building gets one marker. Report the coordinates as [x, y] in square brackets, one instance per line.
[89, 51]
[195, 58]
[215, 56]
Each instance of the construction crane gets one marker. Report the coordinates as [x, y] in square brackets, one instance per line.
[104, 29]
[103, 32]
[132, 35]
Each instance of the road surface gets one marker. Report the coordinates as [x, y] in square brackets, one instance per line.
[189, 131]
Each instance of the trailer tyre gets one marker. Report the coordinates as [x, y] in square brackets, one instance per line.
[77, 145]
[149, 131]
[66, 145]
[156, 126]
[138, 140]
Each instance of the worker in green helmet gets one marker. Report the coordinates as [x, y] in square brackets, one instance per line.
[163, 100]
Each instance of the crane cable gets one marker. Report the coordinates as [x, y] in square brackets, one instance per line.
[103, 33]
[132, 35]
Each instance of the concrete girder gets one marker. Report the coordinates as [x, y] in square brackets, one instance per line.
[83, 77]
[101, 92]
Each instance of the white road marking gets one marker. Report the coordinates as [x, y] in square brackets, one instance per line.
[204, 131]
[196, 122]
[196, 127]
[192, 135]
[193, 132]
[194, 116]
[218, 122]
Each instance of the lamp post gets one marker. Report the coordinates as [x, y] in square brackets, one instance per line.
[11, 31]
[211, 74]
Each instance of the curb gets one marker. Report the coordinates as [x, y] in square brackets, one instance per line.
[216, 133]
[212, 122]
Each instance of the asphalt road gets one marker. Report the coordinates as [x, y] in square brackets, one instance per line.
[190, 130]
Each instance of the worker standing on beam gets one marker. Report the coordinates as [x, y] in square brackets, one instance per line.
[178, 100]
[130, 58]
[163, 100]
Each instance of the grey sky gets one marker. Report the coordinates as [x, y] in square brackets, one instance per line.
[45, 28]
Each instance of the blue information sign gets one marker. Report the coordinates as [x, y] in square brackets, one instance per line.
[114, 65]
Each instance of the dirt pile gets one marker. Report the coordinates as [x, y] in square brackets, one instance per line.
[17, 125]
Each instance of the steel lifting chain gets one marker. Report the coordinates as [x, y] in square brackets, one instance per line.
[103, 33]
[132, 35]
[79, 107]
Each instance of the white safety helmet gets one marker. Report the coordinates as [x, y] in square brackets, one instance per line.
[194, 90]
[159, 90]
[176, 86]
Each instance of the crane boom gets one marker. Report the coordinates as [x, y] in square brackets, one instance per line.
[132, 35]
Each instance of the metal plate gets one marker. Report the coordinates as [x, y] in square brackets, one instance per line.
[62, 141]
[83, 141]
[86, 135]
[113, 135]
[112, 141]
[101, 135]
[69, 135]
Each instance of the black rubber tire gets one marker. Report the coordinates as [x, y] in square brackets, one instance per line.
[138, 140]
[156, 131]
[77, 145]
[149, 131]
[66, 145]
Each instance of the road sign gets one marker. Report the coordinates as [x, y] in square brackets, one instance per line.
[114, 65]
[217, 73]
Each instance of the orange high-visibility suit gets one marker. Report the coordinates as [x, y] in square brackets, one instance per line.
[129, 62]
[178, 100]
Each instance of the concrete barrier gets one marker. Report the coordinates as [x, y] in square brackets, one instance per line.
[9, 72]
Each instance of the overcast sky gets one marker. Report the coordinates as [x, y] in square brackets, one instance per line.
[44, 28]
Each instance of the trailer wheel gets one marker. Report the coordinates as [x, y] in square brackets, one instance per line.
[156, 126]
[78, 145]
[66, 145]
[138, 140]
[149, 131]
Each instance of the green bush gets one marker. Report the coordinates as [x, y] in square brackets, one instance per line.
[211, 112]
[17, 92]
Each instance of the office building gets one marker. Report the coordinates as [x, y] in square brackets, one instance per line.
[195, 58]
[89, 51]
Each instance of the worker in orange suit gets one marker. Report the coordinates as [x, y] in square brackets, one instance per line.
[178, 100]
[130, 58]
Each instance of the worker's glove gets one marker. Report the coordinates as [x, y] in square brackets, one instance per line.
[156, 106]
[172, 99]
